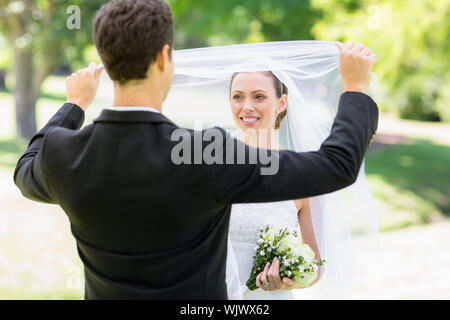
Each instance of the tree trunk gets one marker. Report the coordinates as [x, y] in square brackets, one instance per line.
[2, 80]
[24, 93]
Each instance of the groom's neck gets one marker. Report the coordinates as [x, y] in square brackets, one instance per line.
[143, 93]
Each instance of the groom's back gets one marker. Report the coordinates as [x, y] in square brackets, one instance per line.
[145, 227]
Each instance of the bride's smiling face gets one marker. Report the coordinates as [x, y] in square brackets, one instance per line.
[254, 101]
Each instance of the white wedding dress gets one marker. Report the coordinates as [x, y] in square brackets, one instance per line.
[245, 221]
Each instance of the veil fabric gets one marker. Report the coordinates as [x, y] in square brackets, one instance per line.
[199, 98]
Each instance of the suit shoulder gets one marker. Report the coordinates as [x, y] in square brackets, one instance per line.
[60, 138]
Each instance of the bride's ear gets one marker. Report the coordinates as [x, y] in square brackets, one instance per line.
[163, 58]
[283, 103]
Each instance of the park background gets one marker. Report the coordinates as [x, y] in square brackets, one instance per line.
[408, 165]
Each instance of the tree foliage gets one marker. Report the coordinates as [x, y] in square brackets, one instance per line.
[40, 38]
[411, 39]
[41, 27]
[205, 22]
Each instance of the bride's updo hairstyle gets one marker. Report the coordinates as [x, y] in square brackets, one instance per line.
[280, 89]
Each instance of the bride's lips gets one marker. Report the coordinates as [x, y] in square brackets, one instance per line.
[249, 120]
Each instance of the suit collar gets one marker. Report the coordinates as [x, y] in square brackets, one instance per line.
[108, 115]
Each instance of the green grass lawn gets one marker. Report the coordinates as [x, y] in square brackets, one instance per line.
[410, 183]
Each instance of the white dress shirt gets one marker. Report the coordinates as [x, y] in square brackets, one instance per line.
[138, 108]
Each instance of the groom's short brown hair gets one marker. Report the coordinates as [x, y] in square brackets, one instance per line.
[129, 34]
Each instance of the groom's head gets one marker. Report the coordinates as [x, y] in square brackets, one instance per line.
[134, 39]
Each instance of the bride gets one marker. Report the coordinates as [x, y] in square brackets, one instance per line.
[258, 104]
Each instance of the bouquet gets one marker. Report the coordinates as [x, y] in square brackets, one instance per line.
[297, 260]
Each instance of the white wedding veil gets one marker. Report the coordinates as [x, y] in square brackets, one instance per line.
[345, 222]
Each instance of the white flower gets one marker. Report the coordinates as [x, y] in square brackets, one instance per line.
[295, 251]
[289, 273]
[301, 268]
[256, 248]
[262, 252]
[270, 234]
[260, 241]
[307, 259]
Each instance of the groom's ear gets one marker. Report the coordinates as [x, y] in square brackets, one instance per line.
[164, 57]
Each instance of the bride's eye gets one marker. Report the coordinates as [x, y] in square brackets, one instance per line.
[237, 97]
[259, 97]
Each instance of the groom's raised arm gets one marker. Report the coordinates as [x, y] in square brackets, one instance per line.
[31, 171]
[304, 174]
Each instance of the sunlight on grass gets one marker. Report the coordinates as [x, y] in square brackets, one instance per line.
[410, 183]
[38, 257]
[398, 207]
[54, 86]
[7, 116]
[10, 152]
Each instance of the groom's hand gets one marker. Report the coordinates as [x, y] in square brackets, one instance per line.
[81, 86]
[356, 63]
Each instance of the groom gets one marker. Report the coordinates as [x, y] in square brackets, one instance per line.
[145, 227]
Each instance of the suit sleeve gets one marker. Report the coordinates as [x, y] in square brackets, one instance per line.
[302, 174]
[30, 173]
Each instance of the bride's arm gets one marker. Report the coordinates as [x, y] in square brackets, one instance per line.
[307, 230]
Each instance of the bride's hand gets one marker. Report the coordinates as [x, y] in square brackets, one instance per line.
[271, 277]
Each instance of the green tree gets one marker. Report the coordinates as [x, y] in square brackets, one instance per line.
[43, 35]
[411, 39]
[206, 22]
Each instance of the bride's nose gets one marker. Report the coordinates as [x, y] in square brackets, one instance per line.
[248, 106]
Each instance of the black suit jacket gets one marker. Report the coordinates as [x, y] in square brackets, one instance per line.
[147, 228]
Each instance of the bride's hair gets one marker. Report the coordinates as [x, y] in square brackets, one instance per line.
[280, 89]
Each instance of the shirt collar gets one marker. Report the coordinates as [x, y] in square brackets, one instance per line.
[134, 108]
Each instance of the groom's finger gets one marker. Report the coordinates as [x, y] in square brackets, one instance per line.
[91, 69]
[349, 45]
[373, 58]
[367, 51]
[358, 47]
[98, 71]
[339, 45]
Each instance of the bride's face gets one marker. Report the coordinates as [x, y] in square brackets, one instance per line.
[254, 102]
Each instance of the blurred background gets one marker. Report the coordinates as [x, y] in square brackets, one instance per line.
[408, 165]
